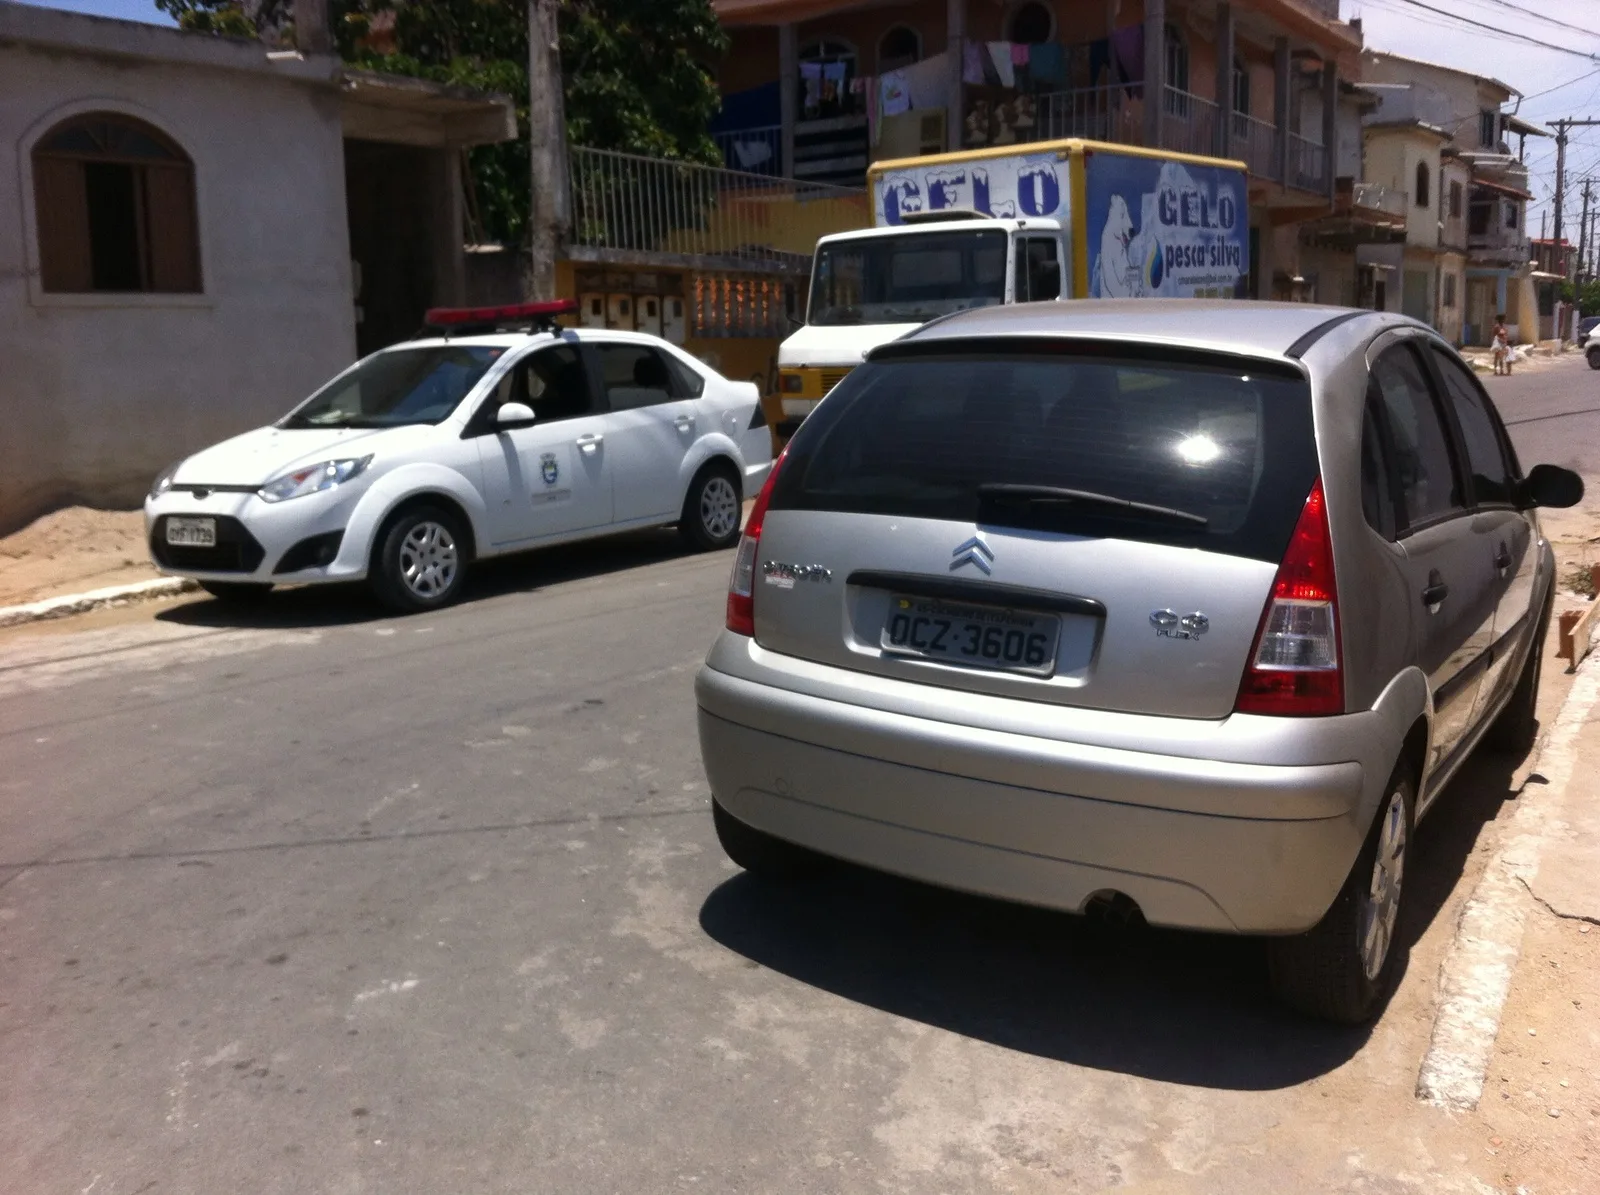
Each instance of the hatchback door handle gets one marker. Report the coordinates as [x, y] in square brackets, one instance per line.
[590, 442]
[1436, 590]
[1502, 556]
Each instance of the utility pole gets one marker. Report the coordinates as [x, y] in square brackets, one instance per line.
[1561, 127]
[550, 213]
[1583, 236]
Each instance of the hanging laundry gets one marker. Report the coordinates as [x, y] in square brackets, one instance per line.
[1000, 57]
[1019, 53]
[833, 80]
[1101, 71]
[972, 56]
[1127, 49]
[896, 96]
[928, 82]
[870, 98]
[811, 79]
[1047, 64]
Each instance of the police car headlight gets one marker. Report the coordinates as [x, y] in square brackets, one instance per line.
[313, 479]
[163, 481]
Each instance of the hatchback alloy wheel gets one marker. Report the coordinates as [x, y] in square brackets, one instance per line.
[1382, 905]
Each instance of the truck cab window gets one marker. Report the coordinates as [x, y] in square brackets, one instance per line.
[1038, 274]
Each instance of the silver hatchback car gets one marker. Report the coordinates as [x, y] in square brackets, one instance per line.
[1195, 606]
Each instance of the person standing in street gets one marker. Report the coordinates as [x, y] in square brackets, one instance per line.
[1500, 346]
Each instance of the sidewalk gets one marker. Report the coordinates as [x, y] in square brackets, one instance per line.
[1540, 1109]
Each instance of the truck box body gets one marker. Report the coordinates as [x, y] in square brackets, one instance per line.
[1081, 219]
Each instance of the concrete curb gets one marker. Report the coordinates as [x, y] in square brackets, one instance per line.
[1475, 976]
[94, 599]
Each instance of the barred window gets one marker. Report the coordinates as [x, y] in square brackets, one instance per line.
[115, 207]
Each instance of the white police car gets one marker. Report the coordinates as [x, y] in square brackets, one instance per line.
[471, 443]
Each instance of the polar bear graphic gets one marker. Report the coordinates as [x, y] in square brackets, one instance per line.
[1119, 275]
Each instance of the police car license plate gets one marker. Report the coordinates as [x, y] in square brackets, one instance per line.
[974, 636]
[192, 533]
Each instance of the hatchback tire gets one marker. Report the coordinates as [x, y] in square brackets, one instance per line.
[712, 510]
[1594, 358]
[1342, 969]
[237, 593]
[421, 560]
[760, 853]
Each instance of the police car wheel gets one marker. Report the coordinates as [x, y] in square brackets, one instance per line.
[421, 560]
[712, 510]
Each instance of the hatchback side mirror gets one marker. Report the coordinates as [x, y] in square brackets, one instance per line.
[1551, 485]
[513, 414]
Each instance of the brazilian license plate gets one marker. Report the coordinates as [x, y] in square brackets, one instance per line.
[191, 533]
[973, 636]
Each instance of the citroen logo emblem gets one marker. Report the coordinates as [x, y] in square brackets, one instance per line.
[974, 552]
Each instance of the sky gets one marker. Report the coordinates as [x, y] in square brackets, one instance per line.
[1556, 81]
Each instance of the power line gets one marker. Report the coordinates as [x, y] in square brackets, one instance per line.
[1538, 16]
[1498, 32]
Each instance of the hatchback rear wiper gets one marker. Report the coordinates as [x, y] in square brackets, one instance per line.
[1044, 495]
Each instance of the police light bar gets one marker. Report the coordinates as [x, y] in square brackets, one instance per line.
[535, 314]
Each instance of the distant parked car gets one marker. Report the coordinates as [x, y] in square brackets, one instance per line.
[1196, 606]
[469, 443]
[1586, 327]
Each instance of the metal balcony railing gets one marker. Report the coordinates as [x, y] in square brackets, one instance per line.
[1093, 113]
[625, 206]
[1308, 164]
[1257, 143]
[1189, 123]
[753, 151]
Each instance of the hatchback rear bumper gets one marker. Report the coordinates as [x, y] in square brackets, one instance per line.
[1202, 844]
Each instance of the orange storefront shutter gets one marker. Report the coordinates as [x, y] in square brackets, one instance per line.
[61, 207]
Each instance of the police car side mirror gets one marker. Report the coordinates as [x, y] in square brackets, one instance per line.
[513, 414]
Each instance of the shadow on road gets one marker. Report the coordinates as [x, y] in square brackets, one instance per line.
[1178, 1007]
[525, 572]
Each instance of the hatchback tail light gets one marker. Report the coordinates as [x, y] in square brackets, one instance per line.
[1295, 665]
[741, 585]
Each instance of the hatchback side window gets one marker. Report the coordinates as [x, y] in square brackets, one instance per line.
[1422, 461]
[1377, 490]
[636, 375]
[1485, 442]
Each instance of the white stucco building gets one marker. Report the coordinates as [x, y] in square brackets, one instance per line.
[194, 233]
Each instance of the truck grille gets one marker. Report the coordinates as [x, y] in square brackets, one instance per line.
[831, 378]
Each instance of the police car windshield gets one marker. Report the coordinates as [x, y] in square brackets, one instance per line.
[907, 279]
[401, 386]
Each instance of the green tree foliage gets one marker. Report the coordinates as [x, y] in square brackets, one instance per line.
[632, 70]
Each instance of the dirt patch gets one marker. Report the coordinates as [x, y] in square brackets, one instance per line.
[72, 550]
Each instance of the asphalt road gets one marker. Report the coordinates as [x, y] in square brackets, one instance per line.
[318, 900]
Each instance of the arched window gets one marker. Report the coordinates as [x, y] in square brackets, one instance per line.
[1177, 59]
[900, 46]
[115, 208]
[1032, 24]
[1424, 179]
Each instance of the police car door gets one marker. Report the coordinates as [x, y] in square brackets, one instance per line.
[551, 477]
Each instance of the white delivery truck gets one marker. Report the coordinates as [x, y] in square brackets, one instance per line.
[1052, 219]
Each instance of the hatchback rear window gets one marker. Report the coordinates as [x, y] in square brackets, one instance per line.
[1191, 450]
